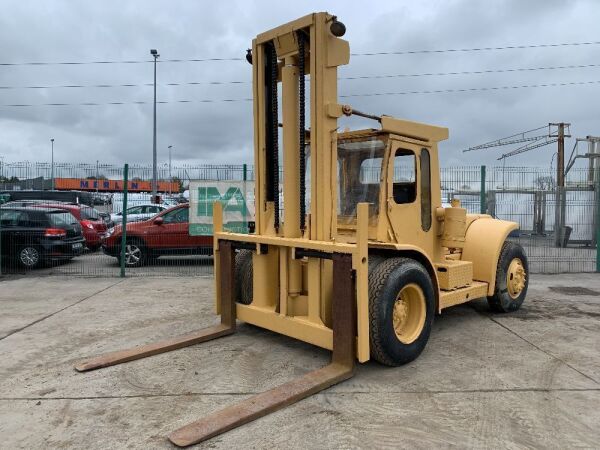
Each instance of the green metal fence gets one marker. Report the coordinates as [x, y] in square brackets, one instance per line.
[559, 227]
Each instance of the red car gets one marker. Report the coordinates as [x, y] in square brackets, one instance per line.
[165, 234]
[92, 225]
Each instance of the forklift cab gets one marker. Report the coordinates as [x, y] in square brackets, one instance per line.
[397, 175]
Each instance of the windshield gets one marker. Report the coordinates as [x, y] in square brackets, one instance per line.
[359, 172]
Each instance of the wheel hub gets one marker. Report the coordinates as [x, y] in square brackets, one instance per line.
[409, 313]
[515, 278]
[132, 254]
[29, 256]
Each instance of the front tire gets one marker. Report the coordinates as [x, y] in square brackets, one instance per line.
[401, 310]
[243, 277]
[512, 279]
[135, 254]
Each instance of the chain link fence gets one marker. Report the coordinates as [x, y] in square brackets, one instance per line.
[558, 226]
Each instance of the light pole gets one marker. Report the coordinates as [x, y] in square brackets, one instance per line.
[52, 164]
[170, 177]
[154, 53]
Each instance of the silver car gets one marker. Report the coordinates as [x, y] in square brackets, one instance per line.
[138, 213]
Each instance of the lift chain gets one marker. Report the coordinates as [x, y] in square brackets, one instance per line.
[275, 130]
[301, 125]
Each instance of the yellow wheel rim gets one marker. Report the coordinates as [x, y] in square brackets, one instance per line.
[515, 278]
[409, 313]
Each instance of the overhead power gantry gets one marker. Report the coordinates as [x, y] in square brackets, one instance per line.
[362, 256]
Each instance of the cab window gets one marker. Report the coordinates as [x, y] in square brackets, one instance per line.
[404, 181]
[425, 190]
[359, 174]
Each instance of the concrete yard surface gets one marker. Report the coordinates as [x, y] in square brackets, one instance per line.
[527, 379]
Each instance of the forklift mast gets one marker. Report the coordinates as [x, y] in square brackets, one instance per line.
[288, 55]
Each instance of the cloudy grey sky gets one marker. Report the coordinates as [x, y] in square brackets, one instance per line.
[221, 132]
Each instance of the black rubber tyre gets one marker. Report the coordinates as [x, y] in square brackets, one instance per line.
[136, 254]
[385, 283]
[502, 300]
[243, 277]
[374, 261]
[29, 257]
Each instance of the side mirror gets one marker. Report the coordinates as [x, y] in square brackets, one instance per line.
[158, 221]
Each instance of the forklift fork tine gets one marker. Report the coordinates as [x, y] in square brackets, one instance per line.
[226, 327]
[340, 369]
[143, 351]
[260, 405]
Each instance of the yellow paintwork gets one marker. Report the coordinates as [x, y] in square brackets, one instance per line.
[483, 242]
[293, 296]
[475, 290]
[515, 278]
[217, 228]
[455, 225]
[409, 313]
[453, 274]
[415, 130]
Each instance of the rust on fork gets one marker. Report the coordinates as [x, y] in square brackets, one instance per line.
[340, 369]
[226, 327]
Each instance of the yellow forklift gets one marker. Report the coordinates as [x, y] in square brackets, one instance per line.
[363, 256]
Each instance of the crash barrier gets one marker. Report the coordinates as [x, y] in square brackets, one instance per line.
[559, 226]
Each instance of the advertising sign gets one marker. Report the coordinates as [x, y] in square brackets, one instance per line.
[237, 198]
[113, 185]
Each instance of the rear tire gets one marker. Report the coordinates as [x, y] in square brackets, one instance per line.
[29, 257]
[401, 310]
[243, 277]
[512, 279]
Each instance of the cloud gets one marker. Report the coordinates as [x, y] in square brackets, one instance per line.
[222, 132]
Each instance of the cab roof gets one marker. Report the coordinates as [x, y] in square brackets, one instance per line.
[405, 128]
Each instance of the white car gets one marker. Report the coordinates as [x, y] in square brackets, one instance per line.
[138, 213]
